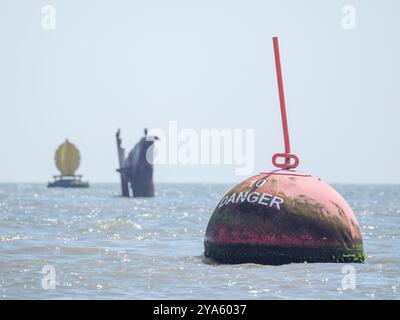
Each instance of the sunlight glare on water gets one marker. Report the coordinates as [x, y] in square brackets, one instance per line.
[103, 246]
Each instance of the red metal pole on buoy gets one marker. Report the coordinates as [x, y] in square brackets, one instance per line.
[281, 95]
[287, 155]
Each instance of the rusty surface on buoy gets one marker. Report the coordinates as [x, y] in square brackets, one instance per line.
[283, 216]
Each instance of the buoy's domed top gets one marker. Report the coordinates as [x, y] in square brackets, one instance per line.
[284, 209]
[67, 158]
[304, 189]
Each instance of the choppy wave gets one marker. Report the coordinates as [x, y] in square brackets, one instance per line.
[105, 246]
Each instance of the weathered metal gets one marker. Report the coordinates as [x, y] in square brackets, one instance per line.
[137, 169]
[283, 217]
[121, 159]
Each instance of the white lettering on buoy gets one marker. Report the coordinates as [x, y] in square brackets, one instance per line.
[252, 198]
[223, 201]
[242, 196]
[258, 183]
[264, 199]
[277, 201]
[231, 199]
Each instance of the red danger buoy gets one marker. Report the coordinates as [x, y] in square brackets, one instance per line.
[283, 216]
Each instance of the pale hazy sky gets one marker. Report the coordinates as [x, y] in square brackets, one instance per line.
[206, 64]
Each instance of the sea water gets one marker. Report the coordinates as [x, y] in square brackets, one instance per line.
[94, 244]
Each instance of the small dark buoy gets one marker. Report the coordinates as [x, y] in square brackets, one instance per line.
[283, 216]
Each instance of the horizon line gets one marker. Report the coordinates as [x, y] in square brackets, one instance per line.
[199, 182]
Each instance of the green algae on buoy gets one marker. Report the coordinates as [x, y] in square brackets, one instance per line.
[283, 216]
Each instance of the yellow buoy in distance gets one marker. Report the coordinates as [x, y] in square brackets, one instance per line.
[67, 158]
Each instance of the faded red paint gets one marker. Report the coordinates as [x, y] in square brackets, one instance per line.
[330, 219]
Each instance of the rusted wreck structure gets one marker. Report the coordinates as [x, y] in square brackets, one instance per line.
[136, 170]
